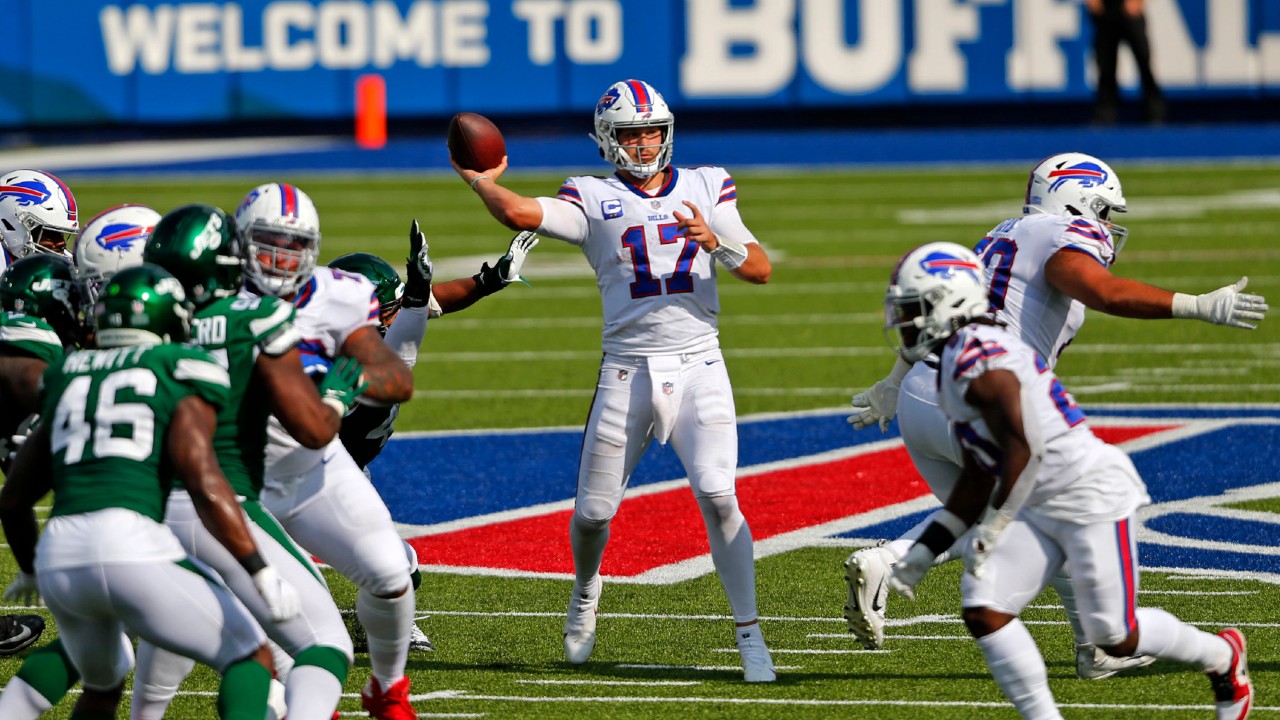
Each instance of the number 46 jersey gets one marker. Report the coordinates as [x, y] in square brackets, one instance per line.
[657, 288]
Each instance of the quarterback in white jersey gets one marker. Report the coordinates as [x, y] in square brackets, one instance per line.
[1062, 497]
[650, 232]
[1042, 270]
[321, 497]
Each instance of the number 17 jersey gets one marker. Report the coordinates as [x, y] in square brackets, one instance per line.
[657, 288]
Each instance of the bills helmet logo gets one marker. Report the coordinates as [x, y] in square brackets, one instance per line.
[26, 193]
[120, 237]
[1086, 173]
[944, 265]
[607, 100]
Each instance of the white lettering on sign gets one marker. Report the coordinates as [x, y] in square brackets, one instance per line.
[592, 29]
[738, 51]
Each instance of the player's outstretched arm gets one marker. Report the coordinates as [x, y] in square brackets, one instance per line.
[506, 206]
[1085, 279]
[389, 379]
[190, 446]
[462, 293]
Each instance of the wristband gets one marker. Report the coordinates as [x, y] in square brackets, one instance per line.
[337, 405]
[729, 254]
[1184, 306]
[477, 179]
[253, 562]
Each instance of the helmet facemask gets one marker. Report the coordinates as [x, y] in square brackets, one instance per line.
[280, 260]
[936, 289]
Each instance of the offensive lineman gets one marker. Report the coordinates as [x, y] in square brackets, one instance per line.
[320, 497]
[651, 232]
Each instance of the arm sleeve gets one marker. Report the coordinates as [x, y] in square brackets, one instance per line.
[727, 223]
[563, 220]
[406, 333]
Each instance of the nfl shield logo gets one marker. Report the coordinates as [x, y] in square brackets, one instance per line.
[668, 388]
[655, 204]
[622, 374]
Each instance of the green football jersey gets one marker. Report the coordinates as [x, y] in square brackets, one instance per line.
[234, 330]
[109, 413]
[30, 335]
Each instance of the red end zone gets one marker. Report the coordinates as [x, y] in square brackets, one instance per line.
[663, 528]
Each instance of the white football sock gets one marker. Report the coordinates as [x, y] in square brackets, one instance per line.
[588, 551]
[20, 701]
[386, 622]
[1166, 637]
[157, 675]
[1018, 668]
[732, 553]
[313, 692]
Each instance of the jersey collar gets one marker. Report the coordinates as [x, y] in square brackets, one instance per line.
[667, 187]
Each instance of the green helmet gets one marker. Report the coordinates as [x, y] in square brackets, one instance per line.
[201, 246]
[142, 305]
[41, 286]
[385, 279]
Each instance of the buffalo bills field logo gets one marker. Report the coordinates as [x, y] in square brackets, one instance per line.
[1086, 173]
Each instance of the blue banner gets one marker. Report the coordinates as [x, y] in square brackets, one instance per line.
[91, 61]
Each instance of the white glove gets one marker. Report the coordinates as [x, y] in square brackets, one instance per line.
[23, 590]
[1224, 306]
[983, 540]
[281, 597]
[509, 265]
[876, 404]
[910, 570]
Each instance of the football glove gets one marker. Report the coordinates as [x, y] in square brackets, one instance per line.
[418, 270]
[507, 269]
[281, 597]
[1224, 306]
[876, 404]
[910, 570]
[983, 540]
[343, 384]
[23, 590]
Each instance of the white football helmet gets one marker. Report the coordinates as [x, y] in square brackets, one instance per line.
[281, 231]
[112, 241]
[936, 289]
[1077, 185]
[631, 104]
[37, 213]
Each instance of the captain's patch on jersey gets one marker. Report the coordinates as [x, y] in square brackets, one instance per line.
[499, 503]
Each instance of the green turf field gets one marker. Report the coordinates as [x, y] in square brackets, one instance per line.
[528, 357]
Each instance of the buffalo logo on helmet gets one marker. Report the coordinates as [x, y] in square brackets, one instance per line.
[944, 265]
[120, 237]
[607, 100]
[27, 192]
[1086, 173]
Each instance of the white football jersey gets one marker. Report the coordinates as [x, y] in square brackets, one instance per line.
[1081, 478]
[657, 288]
[1015, 253]
[330, 306]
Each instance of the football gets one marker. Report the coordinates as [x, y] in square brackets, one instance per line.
[474, 142]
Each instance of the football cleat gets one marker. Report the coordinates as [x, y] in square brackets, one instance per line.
[867, 573]
[1232, 690]
[389, 704]
[19, 632]
[580, 622]
[418, 640]
[1094, 664]
[757, 665]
